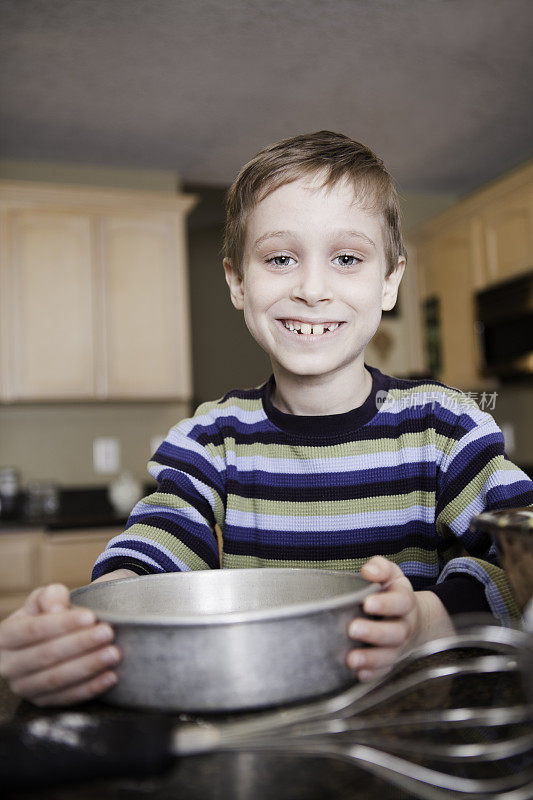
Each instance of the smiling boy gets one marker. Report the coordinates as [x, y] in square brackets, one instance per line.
[312, 284]
[311, 469]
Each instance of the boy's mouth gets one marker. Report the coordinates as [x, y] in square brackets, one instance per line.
[309, 329]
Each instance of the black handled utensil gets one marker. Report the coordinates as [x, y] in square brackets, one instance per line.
[73, 747]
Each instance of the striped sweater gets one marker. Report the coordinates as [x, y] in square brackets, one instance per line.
[401, 476]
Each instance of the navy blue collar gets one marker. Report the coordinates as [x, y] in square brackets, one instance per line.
[328, 425]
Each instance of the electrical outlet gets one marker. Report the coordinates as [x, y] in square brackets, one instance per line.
[155, 441]
[106, 455]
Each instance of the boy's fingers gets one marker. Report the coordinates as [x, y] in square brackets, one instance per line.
[23, 630]
[380, 570]
[372, 658]
[394, 603]
[54, 597]
[27, 660]
[63, 676]
[79, 693]
[384, 634]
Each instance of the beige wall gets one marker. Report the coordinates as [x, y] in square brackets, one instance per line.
[418, 207]
[224, 354]
[55, 442]
[513, 406]
[154, 180]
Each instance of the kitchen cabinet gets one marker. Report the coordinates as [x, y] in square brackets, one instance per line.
[508, 233]
[51, 308]
[34, 557]
[147, 341]
[94, 294]
[68, 557]
[445, 261]
[482, 240]
[19, 568]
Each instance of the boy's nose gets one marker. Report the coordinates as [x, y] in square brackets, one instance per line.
[311, 284]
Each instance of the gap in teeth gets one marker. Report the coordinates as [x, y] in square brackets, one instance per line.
[305, 328]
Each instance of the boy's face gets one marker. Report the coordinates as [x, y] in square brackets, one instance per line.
[314, 257]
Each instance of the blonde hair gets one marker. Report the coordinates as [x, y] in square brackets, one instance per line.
[334, 154]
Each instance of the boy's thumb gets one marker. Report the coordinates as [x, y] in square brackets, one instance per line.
[375, 570]
[54, 597]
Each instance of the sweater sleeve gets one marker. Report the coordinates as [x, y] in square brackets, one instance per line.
[477, 476]
[173, 529]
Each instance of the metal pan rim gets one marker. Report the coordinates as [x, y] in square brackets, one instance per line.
[292, 610]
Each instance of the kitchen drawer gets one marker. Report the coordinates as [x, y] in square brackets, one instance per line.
[11, 602]
[68, 557]
[19, 559]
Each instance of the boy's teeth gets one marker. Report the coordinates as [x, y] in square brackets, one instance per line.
[306, 328]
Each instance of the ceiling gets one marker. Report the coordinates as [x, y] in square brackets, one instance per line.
[441, 89]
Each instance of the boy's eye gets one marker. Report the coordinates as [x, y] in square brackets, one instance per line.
[346, 260]
[281, 261]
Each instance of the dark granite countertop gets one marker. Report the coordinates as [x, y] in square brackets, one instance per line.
[83, 507]
[278, 775]
[63, 523]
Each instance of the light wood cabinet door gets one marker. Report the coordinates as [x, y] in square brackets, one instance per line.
[19, 568]
[446, 261]
[10, 603]
[146, 347]
[37, 558]
[93, 294]
[19, 560]
[68, 557]
[50, 285]
[508, 233]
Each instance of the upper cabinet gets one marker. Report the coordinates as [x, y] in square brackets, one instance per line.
[484, 239]
[445, 260]
[508, 232]
[94, 297]
[49, 305]
[145, 301]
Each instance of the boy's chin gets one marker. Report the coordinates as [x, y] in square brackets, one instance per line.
[311, 368]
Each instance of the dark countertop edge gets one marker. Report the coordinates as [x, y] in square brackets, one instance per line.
[80, 507]
[61, 525]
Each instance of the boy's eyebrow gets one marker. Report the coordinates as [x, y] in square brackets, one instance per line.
[357, 234]
[274, 234]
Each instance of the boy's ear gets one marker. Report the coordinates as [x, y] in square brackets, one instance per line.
[234, 281]
[391, 286]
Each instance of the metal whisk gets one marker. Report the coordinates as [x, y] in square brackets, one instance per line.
[341, 726]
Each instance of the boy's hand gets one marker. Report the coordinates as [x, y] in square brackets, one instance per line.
[408, 616]
[52, 654]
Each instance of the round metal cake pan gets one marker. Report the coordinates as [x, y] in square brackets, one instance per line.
[229, 640]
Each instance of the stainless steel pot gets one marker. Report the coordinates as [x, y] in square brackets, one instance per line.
[227, 640]
[512, 531]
